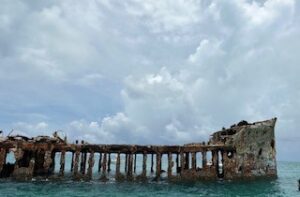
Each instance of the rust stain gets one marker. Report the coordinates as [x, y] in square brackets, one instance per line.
[245, 150]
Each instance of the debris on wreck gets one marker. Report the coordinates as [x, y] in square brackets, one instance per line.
[245, 150]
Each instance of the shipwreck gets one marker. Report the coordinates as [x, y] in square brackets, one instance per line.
[245, 150]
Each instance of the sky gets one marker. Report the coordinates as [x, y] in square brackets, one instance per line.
[150, 72]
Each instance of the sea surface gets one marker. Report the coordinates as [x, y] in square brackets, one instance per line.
[285, 185]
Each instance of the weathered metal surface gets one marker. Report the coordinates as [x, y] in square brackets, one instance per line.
[242, 151]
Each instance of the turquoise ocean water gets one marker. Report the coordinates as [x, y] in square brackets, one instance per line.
[285, 185]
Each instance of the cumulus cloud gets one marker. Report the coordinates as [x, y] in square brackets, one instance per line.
[149, 72]
[167, 16]
[30, 130]
[111, 129]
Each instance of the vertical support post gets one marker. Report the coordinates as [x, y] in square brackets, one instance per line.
[222, 160]
[49, 161]
[144, 173]
[158, 165]
[104, 164]
[225, 163]
[76, 160]
[194, 161]
[100, 162]
[126, 163]
[130, 163]
[91, 162]
[83, 162]
[31, 166]
[134, 166]
[19, 153]
[187, 160]
[214, 154]
[170, 165]
[109, 162]
[62, 163]
[152, 163]
[118, 162]
[204, 159]
[72, 162]
[177, 163]
[2, 158]
[215, 161]
[182, 164]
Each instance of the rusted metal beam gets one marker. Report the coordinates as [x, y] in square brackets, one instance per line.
[91, 162]
[204, 159]
[110, 148]
[129, 168]
[104, 164]
[62, 163]
[134, 166]
[187, 161]
[36, 156]
[126, 163]
[72, 162]
[2, 158]
[75, 167]
[182, 162]
[194, 161]
[152, 163]
[158, 165]
[108, 163]
[177, 163]
[118, 163]
[144, 173]
[170, 165]
[100, 162]
[83, 162]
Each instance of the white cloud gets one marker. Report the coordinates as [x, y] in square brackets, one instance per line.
[111, 129]
[90, 79]
[166, 15]
[268, 12]
[30, 130]
[149, 72]
[207, 51]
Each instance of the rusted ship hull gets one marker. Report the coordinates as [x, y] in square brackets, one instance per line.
[242, 151]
